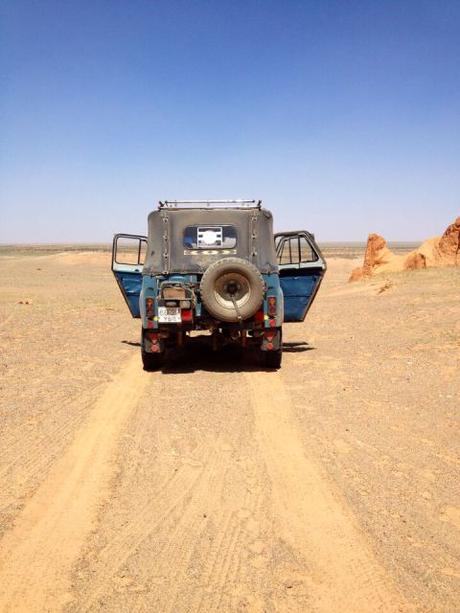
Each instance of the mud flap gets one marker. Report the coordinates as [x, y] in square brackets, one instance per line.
[271, 340]
[152, 342]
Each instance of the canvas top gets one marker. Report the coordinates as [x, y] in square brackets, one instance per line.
[188, 240]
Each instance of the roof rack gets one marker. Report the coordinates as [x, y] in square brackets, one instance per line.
[205, 204]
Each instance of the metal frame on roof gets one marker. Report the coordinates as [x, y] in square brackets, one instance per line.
[209, 204]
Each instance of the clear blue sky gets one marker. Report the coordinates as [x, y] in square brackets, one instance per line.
[343, 116]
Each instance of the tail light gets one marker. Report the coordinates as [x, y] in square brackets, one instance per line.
[271, 306]
[154, 342]
[149, 307]
[187, 315]
[259, 316]
[269, 336]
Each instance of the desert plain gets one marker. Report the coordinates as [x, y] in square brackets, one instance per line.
[213, 485]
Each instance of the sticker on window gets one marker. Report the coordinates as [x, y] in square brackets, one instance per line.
[210, 237]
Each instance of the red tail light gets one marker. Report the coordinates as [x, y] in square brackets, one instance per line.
[269, 337]
[149, 307]
[271, 306]
[259, 316]
[154, 342]
[187, 315]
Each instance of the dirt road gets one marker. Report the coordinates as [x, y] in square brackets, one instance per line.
[331, 485]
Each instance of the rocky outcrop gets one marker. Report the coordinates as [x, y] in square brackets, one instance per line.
[449, 244]
[376, 255]
[415, 261]
[439, 251]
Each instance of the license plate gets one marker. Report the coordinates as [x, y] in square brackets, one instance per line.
[169, 315]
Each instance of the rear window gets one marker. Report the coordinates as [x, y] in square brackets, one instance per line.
[210, 237]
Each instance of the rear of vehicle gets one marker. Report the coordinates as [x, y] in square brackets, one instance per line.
[216, 270]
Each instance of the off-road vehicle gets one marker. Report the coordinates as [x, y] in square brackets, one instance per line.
[216, 266]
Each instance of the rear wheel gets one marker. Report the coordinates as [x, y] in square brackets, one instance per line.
[272, 359]
[272, 354]
[152, 361]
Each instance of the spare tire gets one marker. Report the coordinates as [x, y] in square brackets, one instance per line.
[229, 280]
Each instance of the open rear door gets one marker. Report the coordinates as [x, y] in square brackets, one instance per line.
[128, 256]
[301, 269]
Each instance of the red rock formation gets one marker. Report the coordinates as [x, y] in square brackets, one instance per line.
[449, 245]
[440, 251]
[376, 254]
[415, 261]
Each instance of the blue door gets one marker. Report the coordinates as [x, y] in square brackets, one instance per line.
[128, 255]
[301, 269]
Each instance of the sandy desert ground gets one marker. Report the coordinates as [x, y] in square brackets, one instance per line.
[331, 485]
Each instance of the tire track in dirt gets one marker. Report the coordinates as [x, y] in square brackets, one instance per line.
[38, 553]
[173, 515]
[185, 544]
[184, 493]
[30, 460]
[342, 573]
[7, 319]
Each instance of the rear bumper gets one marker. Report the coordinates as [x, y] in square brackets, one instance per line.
[173, 336]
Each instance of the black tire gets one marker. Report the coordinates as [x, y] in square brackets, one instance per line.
[152, 361]
[232, 277]
[272, 359]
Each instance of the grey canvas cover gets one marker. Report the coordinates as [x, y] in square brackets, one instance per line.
[168, 254]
